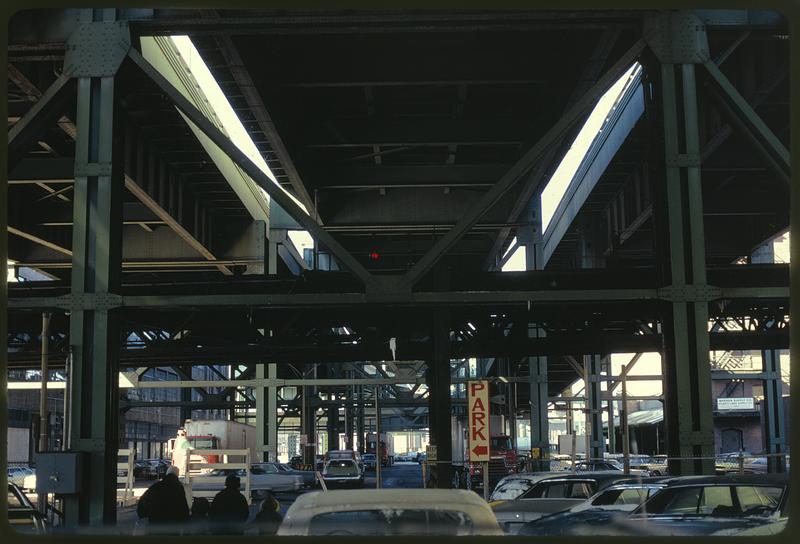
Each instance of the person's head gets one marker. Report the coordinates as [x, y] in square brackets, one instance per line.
[181, 432]
[232, 482]
[270, 503]
[200, 507]
[173, 471]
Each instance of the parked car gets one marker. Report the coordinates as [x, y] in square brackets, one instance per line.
[422, 457]
[550, 495]
[390, 512]
[22, 514]
[344, 454]
[614, 501]
[16, 475]
[29, 482]
[296, 461]
[308, 476]
[343, 472]
[263, 478]
[706, 505]
[369, 461]
[514, 485]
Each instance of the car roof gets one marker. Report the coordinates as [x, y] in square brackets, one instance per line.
[389, 498]
[730, 479]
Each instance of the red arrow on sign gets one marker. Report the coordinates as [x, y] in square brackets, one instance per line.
[480, 450]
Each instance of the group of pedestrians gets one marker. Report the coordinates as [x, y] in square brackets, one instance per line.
[164, 506]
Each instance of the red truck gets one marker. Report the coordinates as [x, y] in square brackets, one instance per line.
[387, 455]
[503, 456]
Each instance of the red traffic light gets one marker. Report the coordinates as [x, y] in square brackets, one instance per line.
[374, 255]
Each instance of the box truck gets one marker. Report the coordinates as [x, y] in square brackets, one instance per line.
[218, 434]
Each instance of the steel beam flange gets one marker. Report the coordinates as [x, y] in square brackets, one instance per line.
[684, 160]
[677, 37]
[90, 301]
[92, 169]
[89, 445]
[696, 437]
[689, 293]
[97, 49]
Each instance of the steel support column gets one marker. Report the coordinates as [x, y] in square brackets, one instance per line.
[267, 414]
[773, 427]
[687, 384]
[309, 420]
[593, 407]
[532, 239]
[360, 418]
[333, 427]
[96, 271]
[438, 379]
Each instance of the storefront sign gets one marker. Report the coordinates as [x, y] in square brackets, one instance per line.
[735, 403]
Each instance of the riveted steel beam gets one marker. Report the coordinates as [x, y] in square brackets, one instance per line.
[519, 169]
[255, 173]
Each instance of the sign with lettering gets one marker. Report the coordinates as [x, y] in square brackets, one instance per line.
[478, 418]
[430, 454]
[736, 403]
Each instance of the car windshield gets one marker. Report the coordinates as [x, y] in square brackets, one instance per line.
[202, 443]
[501, 443]
[340, 468]
[621, 496]
[714, 501]
[506, 491]
[391, 522]
[561, 489]
[264, 469]
[369, 457]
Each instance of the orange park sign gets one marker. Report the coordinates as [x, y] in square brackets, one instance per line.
[478, 413]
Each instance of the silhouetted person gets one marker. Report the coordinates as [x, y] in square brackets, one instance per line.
[229, 510]
[269, 517]
[164, 503]
[200, 509]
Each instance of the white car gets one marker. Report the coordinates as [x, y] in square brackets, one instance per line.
[29, 482]
[16, 475]
[263, 478]
[390, 512]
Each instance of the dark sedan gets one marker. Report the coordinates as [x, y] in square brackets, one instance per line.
[706, 505]
[615, 501]
[552, 495]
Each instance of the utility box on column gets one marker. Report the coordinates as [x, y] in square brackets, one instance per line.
[59, 472]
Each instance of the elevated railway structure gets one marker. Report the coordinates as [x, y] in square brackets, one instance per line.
[414, 148]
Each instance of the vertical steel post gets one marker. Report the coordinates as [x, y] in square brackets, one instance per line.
[266, 412]
[439, 400]
[308, 417]
[532, 239]
[626, 439]
[44, 427]
[378, 448]
[360, 419]
[594, 413]
[772, 408]
[96, 271]
[688, 372]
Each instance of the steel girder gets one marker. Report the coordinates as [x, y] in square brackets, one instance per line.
[96, 247]
[680, 43]
[254, 172]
